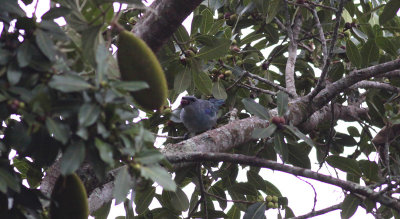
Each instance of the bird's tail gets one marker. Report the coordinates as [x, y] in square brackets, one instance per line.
[216, 102]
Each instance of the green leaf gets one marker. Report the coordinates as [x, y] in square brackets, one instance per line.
[251, 38]
[90, 41]
[206, 21]
[14, 73]
[244, 189]
[344, 140]
[218, 90]
[11, 6]
[218, 49]
[389, 12]
[58, 130]
[106, 152]
[54, 13]
[282, 100]
[345, 164]
[143, 198]
[72, 158]
[102, 213]
[370, 170]
[271, 189]
[216, 27]
[182, 80]
[273, 10]
[264, 132]
[370, 53]
[255, 108]
[387, 45]
[218, 191]
[353, 54]
[68, 83]
[255, 211]
[202, 82]
[130, 85]
[182, 35]
[149, 157]
[300, 135]
[88, 114]
[178, 199]
[280, 146]
[349, 206]
[298, 155]
[158, 175]
[45, 44]
[353, 131]
[122, 184]
[24, 54]
[234, 212]
[9, 180]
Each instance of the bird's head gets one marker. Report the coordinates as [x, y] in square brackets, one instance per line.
[188, 100]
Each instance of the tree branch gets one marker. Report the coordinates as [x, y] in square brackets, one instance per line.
[297, 171]
[376, 84]
[292, 50]
[158, 25]
[319, 212]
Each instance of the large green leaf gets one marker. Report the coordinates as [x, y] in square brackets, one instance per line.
[387, 45]
[264, 132]
[158, 175]
[206, 21]
[255, 108]
[218, 90]
[255, 211]
[72, 158]
[143, 198]
[300, 135]
[122, 184]
[178, 199]
[345, 164]
[69, 83]
[46, 45]
[273, 10]
[370, 170]
[353, 53]
[58, 130]
[106, 152]
[202, 82]
[88, 114]
[349, 206]
[389, 11]
[182, 80]
[280, 146]
[370, 53]
[218, 49]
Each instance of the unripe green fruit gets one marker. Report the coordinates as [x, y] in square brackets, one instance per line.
[276, 205]
[228, 73]
[275, 199]
[239, 63]
[268, 198]
[69, 199]
[137, 62]
[270, 205]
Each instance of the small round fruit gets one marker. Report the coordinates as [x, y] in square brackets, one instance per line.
[276, 120]
[270, 205]
[275, 199]
[239, 63]
[228, 73]
[276, 205]
[268, 198]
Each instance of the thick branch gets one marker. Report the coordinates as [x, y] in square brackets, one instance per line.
[297, 171]
[158, 24]
[376, 84]
[320, 212]
[328, 93]
[291, 61]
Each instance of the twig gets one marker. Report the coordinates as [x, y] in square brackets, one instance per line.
[319, 212]
[313, 4]
[256, 89]
[202, 190]
[170, 137]
[321, 81]
[270, 83]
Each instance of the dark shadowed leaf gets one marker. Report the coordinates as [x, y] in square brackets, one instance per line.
[14, 73]
[182, 80]
[255, 211]
[58, 130]
[389, 11]
[300, 135]
[24, 54]
[255, 108]
[353, 53]
[298, 155]
[387, 45]
[349, 206]
[45, 44]
[344, 164]
[370, 170]
[370, 53]
[202, 82]
[280, 146]
[72, 158]
[106, 152]
[234, 212]
[54, 13]
[217, 50]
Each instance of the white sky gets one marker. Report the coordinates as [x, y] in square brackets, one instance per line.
[299, 193]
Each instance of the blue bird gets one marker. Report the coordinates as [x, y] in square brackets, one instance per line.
[199, 115]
